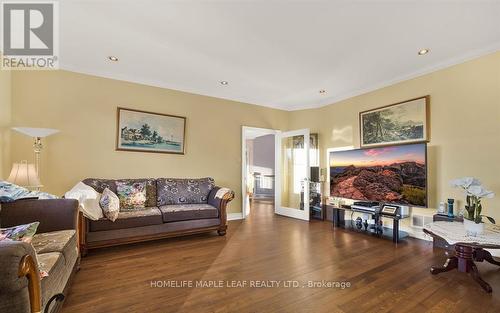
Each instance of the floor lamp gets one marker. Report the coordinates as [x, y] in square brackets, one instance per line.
[37, 134]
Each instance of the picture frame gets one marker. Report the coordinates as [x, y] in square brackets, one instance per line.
[398, 123]
[144, 131]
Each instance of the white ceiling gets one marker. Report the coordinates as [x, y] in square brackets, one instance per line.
[274, 53]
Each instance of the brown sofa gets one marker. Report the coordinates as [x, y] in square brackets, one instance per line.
[174, 207]
[55, 248]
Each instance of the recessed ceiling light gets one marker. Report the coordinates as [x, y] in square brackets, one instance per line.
[224, 82]
[322, 91]
[113, 58]
[423, 51]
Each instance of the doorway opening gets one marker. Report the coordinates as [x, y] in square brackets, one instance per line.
[258, 170]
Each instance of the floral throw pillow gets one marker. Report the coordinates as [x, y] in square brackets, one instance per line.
[110, 204]
[132, 195]
[23, 232]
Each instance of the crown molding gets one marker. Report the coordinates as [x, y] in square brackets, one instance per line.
[326, 102]
[427, 70]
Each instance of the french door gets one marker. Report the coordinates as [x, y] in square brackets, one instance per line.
[292, 174]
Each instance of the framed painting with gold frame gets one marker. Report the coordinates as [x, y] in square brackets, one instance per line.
[143, 131]
[399, 123]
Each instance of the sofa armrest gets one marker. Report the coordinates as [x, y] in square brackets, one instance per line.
[20, 283]
[53, 214]
[29, 269]
[220, 201]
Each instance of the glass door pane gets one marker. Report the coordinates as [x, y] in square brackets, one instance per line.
[293, 174]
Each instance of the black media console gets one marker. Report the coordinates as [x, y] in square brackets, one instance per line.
[377, 212]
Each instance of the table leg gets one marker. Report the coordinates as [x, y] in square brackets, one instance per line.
[477, 277]
[395, 230]
[463, 261]
[465, 255]
[483, 255]
[450, 264]
[334, 217]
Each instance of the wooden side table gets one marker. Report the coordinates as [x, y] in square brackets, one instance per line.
[468, 249]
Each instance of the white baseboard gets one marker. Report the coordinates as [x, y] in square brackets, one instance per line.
[234, 216]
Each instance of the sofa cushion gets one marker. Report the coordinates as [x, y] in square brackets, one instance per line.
[185, 212]
[152, 230]
[132, 195]
[129, 219]
[183, 191]
[100, 184]
[110, 204]
[63, 241]
[48, 261]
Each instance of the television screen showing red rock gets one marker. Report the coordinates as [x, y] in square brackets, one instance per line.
[395, 174]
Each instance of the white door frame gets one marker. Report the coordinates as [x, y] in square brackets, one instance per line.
[278, 209]
[248, 132]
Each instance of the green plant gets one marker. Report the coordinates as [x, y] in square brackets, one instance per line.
[474, 191]
[474, 208]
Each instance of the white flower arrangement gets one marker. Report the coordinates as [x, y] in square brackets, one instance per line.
[474, 191]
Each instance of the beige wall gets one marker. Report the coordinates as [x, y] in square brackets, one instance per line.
[5, 116]
[464, 111]
[464, 124]
[84, 109]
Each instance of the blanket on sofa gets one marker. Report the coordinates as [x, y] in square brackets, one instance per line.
[88, 199]
[221, 192]
[10, 192]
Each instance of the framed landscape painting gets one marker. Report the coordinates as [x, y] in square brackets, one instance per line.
[403, 122]
[150, 132]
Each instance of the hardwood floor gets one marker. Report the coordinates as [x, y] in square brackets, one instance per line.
[383, 277]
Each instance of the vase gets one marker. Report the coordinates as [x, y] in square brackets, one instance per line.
[450, 208]
[472, 228]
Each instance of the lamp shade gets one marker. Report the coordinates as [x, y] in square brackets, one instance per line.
[36, 132]
[24, 174]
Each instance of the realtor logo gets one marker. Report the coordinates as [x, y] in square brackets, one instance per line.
[29, 35]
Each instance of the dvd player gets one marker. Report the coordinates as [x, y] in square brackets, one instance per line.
[366, 207]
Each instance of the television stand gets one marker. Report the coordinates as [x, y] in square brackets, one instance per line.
[395, 234]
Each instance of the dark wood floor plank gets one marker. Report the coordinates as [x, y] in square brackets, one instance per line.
[384, 277]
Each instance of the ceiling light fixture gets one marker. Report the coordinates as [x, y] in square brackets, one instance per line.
[423, 51]
[322, 91]
[224, 82]
[113, 58]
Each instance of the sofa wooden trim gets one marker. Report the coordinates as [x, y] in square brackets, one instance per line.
[82, 234]
[225, 200]
[85, 246]
[28, 269]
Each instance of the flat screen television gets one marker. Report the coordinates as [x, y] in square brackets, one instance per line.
[394, 174]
